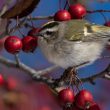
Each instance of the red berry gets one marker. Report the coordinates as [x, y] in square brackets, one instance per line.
[62, 15]
[11, 83]
[66, 96]
[13, 44]
[33, 32]
[83, 99]
[29, 43]
[94, 107]
[107, 24]
[77, 11]
[1, 80]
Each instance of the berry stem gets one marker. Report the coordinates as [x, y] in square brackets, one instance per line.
[17, 60]
[95, 11]
[67, 3]
[31, 21]
[104, 17]
[17, 24]
[7, 27]
[60, 5]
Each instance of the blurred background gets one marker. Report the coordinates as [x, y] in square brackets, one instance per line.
[31, 95]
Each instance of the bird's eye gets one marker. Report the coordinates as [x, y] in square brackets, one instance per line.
[49, 33]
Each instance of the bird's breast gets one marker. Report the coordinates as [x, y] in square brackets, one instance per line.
[66, 54]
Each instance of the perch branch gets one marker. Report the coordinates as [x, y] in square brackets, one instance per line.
[105, 74]
[37, 75]
[32, 72]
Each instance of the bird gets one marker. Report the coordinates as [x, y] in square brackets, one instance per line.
[74, 42]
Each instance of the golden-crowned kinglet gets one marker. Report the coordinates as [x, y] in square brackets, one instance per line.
[73, 42]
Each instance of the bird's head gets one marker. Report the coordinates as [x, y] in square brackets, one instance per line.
[49, 31]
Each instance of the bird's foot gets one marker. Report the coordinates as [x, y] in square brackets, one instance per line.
[71, 76]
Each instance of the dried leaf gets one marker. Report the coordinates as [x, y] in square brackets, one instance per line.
[21, 9]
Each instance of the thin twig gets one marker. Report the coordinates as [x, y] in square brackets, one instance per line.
[17, 25]
[13, 29]
[40, 18]
[97, 11]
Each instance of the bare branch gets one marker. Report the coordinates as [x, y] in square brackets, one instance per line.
[37, 75]
[32, 72]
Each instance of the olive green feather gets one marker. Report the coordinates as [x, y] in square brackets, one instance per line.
[76, 30]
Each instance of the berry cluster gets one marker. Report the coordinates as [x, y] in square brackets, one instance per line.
[83, 100]
[76, 11]
[14, 44]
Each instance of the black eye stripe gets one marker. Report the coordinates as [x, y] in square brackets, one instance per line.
[49, 32]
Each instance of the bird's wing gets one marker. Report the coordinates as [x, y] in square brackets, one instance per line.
[81, 30]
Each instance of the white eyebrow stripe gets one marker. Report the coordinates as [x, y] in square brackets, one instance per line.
[50, 30]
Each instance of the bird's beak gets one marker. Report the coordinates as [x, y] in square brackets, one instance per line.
[42, 36]
[39, 35]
